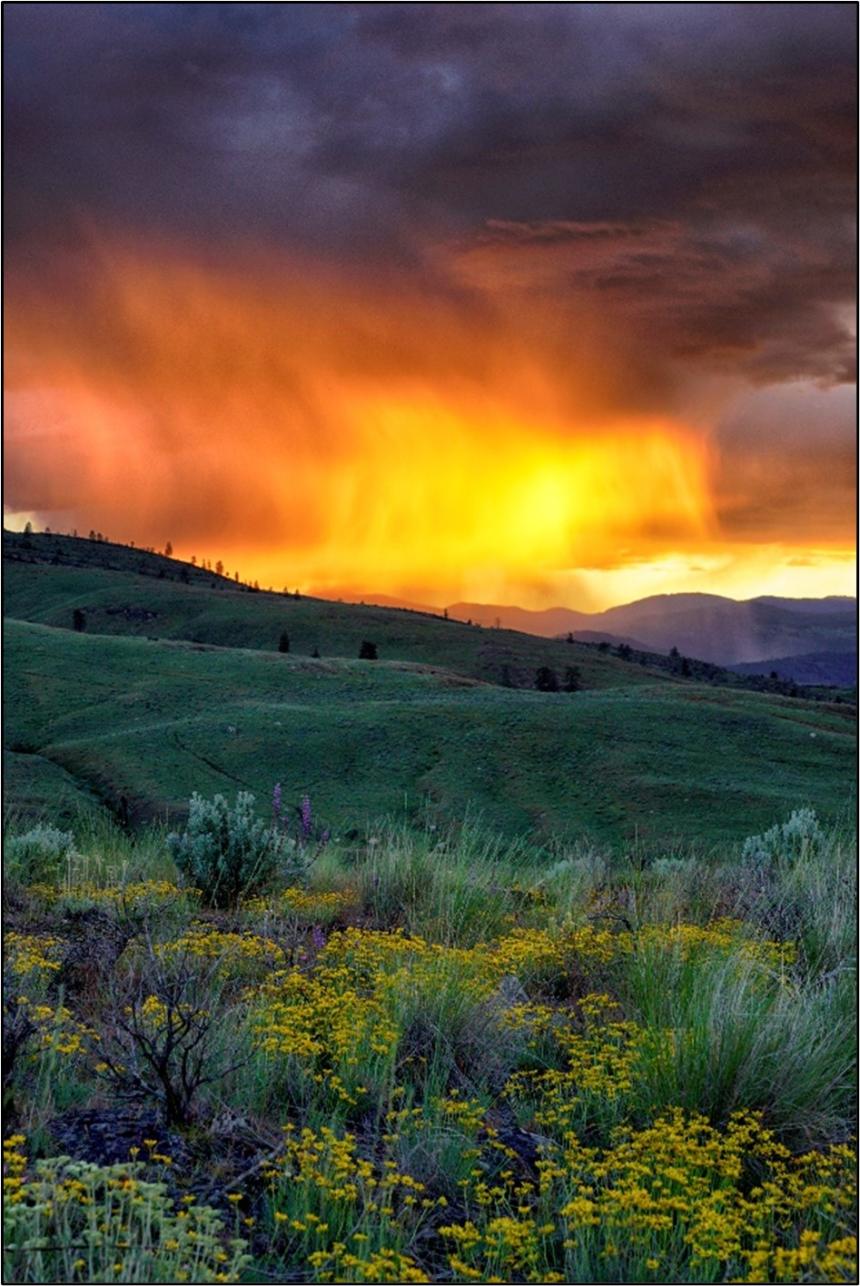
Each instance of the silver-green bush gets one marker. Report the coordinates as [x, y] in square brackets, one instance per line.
[39, 856]
[228, 852]
[788, 841]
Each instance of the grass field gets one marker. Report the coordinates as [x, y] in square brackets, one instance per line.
[120, 598]
[153, 721]
[175, 685]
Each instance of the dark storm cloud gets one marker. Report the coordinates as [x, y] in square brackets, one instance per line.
[687, 170]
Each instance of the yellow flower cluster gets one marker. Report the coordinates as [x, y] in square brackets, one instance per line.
[143, 896]
[342, 1022]
[724, 936]
[320, 1019]
[532, 954]
[32, 954]
[683, 1183]
[329, 1168]
[525, 953]
[14, 1165]
[467, 1114]
[57, 1028]
[155, 1013]
[679, 1197]
[599, 1061]
[237, 954]
[505, 1248]
[70, 1221]
[381, 1266]
[305, 906]
[348, 1217]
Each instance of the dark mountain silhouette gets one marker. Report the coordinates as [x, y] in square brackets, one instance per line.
[707, 626]
[818, 668]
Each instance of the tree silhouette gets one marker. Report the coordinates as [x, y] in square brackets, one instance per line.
[168, 550]
[546, 680]
[367, 652]
[572, 679]
[284, 642]
[79, 621]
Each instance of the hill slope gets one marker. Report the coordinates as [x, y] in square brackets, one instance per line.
[149, 722]
[120, 590]
[127, 591]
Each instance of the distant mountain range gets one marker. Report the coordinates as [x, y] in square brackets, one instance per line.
[809, 640]
[815, 669]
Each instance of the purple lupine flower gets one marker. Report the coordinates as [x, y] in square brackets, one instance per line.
[325, 837]
[318, 938]
[276, 802]
[306, 817]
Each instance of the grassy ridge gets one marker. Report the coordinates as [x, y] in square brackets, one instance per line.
[130, 597]
[154, 721]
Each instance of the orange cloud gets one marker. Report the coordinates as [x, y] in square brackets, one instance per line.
[328, 432]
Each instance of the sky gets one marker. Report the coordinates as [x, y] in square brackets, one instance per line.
[517, 303]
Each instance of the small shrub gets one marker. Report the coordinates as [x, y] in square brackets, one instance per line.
[572, 678]
[71, 1221]
[39, 856]
[786, 842]
[546, 680]
[163, 1040]
[228, 852]
[368, 651]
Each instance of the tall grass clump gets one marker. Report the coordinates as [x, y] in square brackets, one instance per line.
[452, 886]
[745, 1032]
[806, 890]
[110, 854]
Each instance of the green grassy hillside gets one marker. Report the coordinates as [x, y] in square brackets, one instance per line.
[153, 721]
[131, 592]
[124, 590]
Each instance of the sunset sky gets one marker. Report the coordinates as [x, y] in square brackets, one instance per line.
[517, 303]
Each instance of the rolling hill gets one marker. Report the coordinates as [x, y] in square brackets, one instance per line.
[175, 685]
[127, 591]
[142, 724]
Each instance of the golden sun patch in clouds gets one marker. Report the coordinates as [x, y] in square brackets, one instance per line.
[334, 438]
